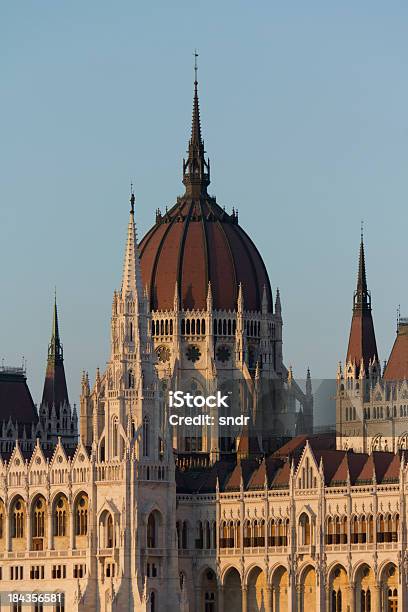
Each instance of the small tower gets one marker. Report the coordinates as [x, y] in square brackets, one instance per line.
[55, 409]
[362, 346]
[362, 363]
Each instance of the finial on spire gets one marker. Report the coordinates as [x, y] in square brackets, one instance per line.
[362, 230]
[195, 67]
[132, 199]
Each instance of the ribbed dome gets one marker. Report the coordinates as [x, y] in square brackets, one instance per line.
[197, 242]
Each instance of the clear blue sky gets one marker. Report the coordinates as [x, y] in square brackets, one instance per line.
[304, 111]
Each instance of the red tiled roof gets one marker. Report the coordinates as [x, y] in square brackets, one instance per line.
[397, 366]
[197, 242]
[362, 344]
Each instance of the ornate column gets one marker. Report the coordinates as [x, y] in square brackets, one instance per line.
[268, 599]
[71, 527]
[299, 603]
[50, 532]
[351, 596]
[244, 599]
[7, 530]
[28, 526]
[376, 598]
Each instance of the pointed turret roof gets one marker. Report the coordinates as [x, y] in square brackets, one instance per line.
[131, 279]
[397, 365]
[55, 391]
[362, 346]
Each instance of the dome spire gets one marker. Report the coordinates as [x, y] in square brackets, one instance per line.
[196, 169]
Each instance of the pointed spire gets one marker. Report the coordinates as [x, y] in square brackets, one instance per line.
[55, 347]
[196, 124]
[55, 391]
[362, 347]
[264, 300]
[209, 297]
[176, 301]
[362, 298]
[196, 169]
[240, 301]
[278, 306]
[131, 279]
[308, 383]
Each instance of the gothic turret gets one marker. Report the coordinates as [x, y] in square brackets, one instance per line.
[362, 346]
[56, 417]
[55, 391]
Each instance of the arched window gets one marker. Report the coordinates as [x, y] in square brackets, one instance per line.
[115, 432]
[392, 600]
[336, 601]
[200, 539]
[178, 530]
[207, 535]
[109, 531]
[363, 530]
[81, 516]
[365, 600]
[304, 523]
[370, 528]
[60, 517]
[131, 379]
[184, 536]
[354, 530]
[38, 523]
[247, 534]
[18, 519]
[151, 531]
[146, 437]
[152, 602]
[329, 531]
[380, 528]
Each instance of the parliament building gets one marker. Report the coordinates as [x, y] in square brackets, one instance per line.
[118, 511]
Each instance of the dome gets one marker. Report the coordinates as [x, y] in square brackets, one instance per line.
[197, 242]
